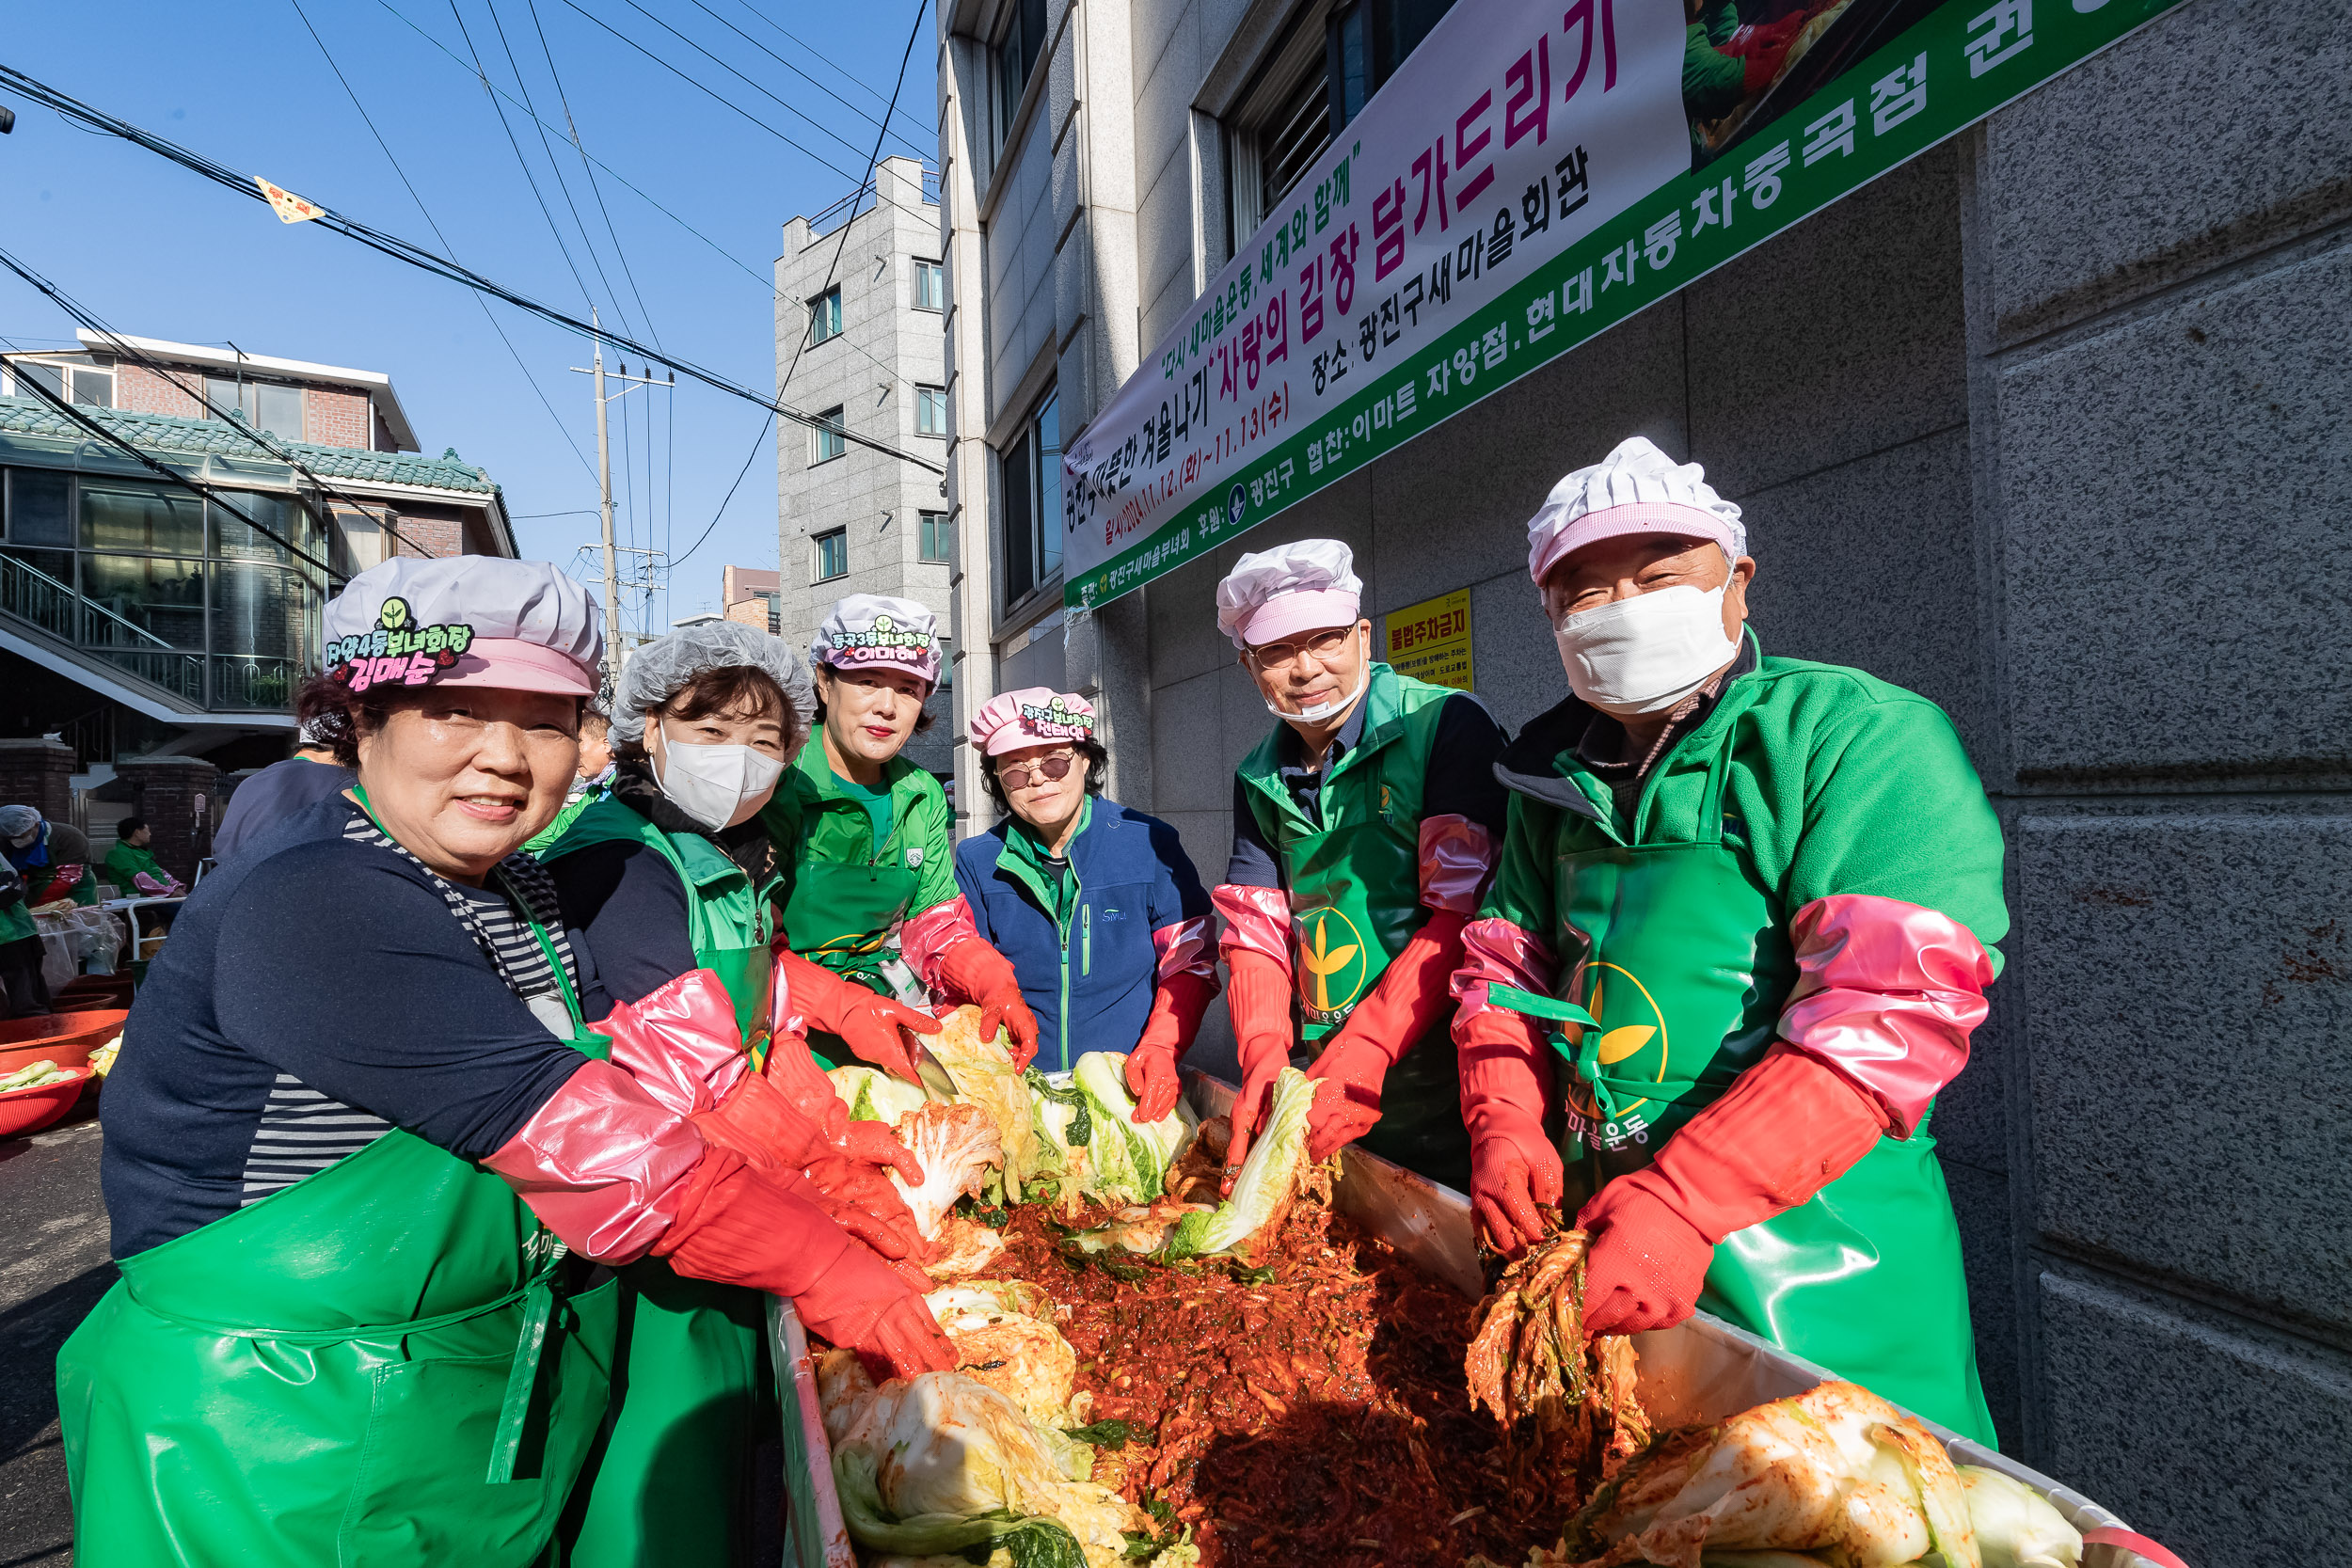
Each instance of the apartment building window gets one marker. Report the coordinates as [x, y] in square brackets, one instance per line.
[824, 316]
[268, 407]
[1030, 483]
[81, 380]
[930, 411]
[832, 554]
[827, 442]
[1334, 57]
[938, 537]
[1016, 56]
[931, 286]
[774, 603]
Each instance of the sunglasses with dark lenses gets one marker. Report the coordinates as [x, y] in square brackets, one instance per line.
[1055, 767]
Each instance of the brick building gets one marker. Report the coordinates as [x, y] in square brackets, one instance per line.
[141, 621]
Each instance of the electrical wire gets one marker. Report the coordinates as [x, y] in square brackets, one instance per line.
[786, 380]
[125, 349]
[782, 104]
[708, 92]
[798, 71]
[104, 125]
[418, 256]
[850, 77]
[586, 297]
[587, 164]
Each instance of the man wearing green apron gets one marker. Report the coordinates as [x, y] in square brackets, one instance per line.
[1364, 827]
[668, 874]
[873, 916]
[1756, 898]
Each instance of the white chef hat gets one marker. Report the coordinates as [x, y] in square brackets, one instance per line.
[873, 631]
[1635, 489]
[465, 620]
[1303, 586]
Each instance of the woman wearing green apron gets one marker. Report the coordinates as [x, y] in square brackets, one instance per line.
[1751, 902]
[666, 875]
[367, 1167]
[873, 914]
[1364, 826]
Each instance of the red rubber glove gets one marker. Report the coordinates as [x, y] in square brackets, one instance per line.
[1789, 1127]
[1176, 1010]
[862, 1202]
[1258, 999]
[737, 1226]
[1506, 1085]
[758, 1122]
[867, 1023]
[1403, 1007]
[977, 973]
[1763, 64]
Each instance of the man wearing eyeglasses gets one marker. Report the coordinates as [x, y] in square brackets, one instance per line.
[1365, 825]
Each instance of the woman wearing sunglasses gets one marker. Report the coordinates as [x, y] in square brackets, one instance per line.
[1097, 906]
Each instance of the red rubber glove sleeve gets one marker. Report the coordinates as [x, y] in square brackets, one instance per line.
[978, 973]
[763, 1126]
[737, 1226]
[1506, 1085]
[1412, 994]
[866, 1022]
[1789, 1127]
[1167, 1034]
[1259, 1000]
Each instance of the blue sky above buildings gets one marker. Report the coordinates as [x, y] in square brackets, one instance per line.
[155, 251]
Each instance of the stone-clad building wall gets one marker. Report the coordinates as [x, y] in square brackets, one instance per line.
[2051, 425]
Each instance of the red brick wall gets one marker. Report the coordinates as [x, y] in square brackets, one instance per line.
[140, 391]
[165, 791]
[421, 534]
[339, 419]
[752, 612]
[38, 773]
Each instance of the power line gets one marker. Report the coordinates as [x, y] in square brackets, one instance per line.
[369, 120]
[850, 77]
[587, 164]
[427, 261]
[127, 350]
[786, 380]
[586, 297]
[706, 91]
[788, 107]
[794, 69]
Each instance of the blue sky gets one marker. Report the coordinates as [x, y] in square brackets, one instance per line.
[156, 251]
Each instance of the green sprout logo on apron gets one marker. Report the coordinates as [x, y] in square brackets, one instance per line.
[1602, 1109]
[1331, 965]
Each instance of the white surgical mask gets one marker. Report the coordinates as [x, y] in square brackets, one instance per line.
[1645, 653]
[1321, 711]
[710, 783]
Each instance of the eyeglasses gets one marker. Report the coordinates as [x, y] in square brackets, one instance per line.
[1054, 767]
[1324, 646]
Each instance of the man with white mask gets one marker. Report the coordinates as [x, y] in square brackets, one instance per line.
[1753, 900]
[1364, 826]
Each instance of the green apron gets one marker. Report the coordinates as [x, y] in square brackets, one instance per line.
[1354, 880]
[382, 1364]
[1684, 961]
[669, 1479]
[849, 893]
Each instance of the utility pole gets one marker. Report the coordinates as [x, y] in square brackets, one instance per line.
[604, 485]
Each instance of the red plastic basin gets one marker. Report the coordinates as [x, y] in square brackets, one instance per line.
[24, 1111]
[65, 1039]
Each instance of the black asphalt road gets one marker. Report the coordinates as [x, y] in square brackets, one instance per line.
[53, 1270]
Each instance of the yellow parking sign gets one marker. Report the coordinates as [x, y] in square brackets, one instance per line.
[1431, 640]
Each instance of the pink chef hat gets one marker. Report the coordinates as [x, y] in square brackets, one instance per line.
[465, 620]
[1303, 586]
[1635, 489]
[1034, 716]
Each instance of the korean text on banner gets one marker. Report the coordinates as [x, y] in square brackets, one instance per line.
[1533, 174]
[1431, 640]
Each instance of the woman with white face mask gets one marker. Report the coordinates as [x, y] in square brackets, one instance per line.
[1736, 940]
[669, 874]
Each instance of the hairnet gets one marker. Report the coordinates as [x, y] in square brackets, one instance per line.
[18, 820]
[663, 669]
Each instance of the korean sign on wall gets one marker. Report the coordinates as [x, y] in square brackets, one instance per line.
[1431, 640]
[1537, 171]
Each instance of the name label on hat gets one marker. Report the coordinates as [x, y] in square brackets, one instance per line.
[885, 639]
[1055, 722]
[394, 651]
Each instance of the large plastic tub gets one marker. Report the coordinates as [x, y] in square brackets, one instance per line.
[65, 1039]
[1701, 1371]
